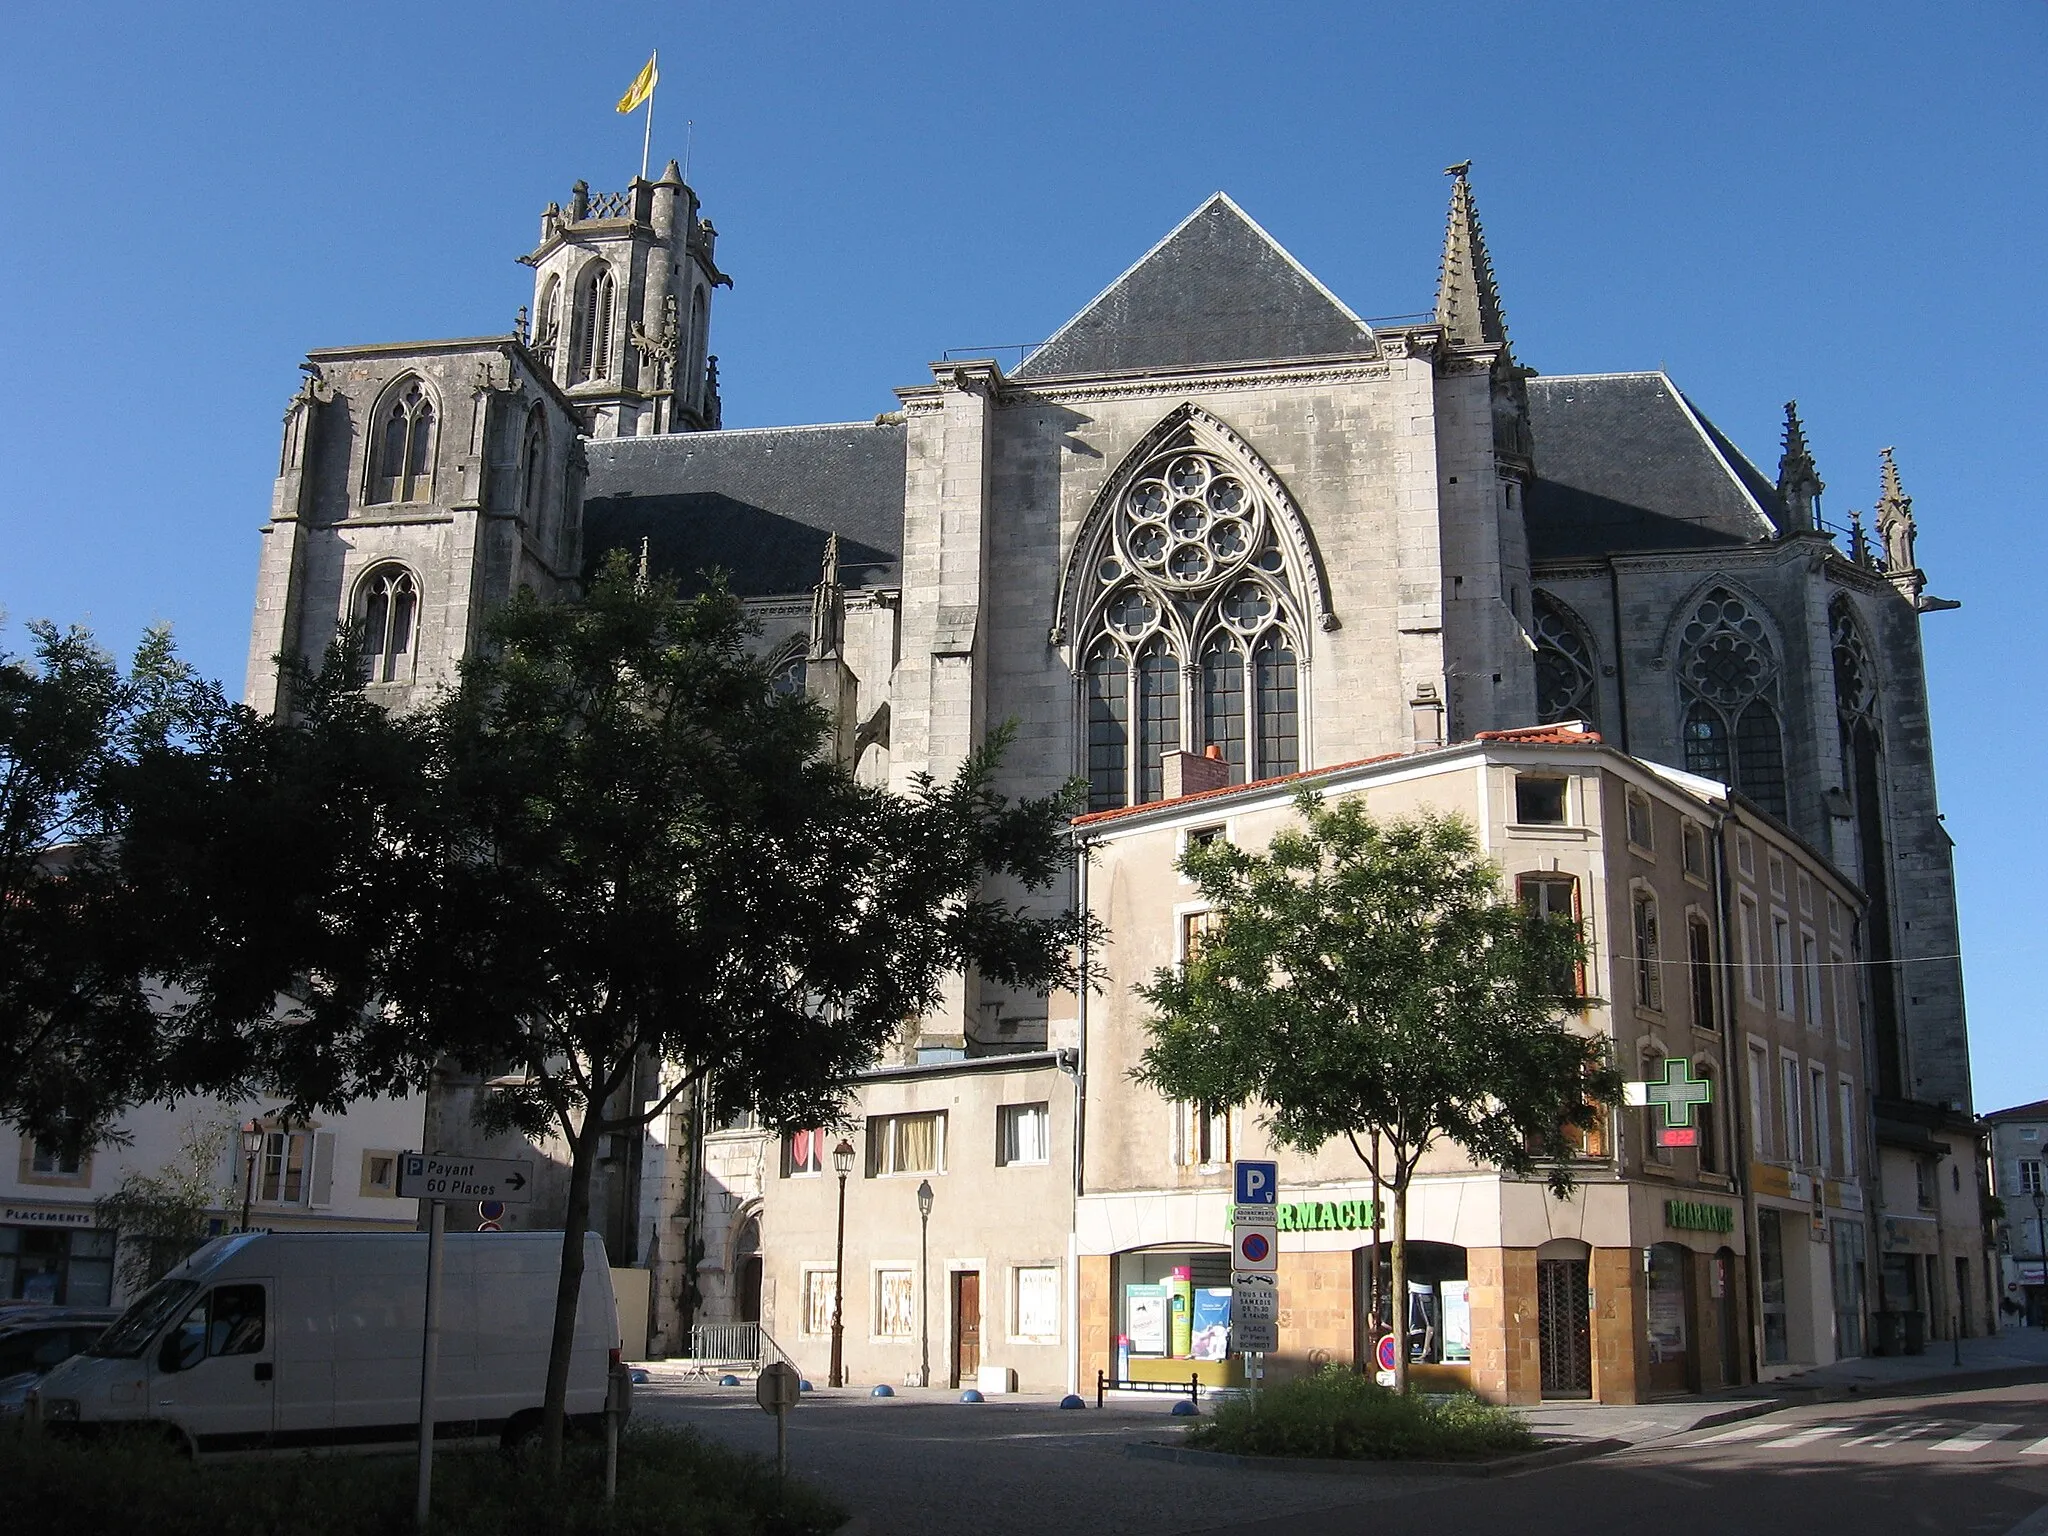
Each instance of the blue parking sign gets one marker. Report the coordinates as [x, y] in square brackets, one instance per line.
[1257, 1183]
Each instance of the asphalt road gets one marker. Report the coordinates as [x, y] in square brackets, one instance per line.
[1971, 1463]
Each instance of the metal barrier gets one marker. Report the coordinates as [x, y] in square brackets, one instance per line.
[736, 1344]
[1192, 1386]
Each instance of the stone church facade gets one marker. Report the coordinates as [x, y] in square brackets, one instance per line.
[1215, 510]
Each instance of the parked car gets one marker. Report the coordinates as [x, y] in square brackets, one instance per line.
[33, 1344]
[312, 1338]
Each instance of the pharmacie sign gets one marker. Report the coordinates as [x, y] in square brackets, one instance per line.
[1326, 1215]
[1698, 1216]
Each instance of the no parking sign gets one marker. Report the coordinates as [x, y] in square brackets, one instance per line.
[1258, 1249]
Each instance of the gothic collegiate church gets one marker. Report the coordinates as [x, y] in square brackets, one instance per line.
[1216, 509]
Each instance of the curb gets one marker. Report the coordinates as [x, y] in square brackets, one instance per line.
[1506, 1466]
[857, 1526]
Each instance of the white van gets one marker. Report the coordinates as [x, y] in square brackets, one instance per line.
[313, 1338]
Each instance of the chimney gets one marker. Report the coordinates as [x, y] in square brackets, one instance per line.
[1190, 773]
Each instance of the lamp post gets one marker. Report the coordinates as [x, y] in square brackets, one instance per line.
[924, 1269]
[2041, 1243]
[252, 1147]
[842, 1163]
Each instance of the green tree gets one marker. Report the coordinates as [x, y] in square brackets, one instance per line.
[1373, 981]
[636, 863]
[162, 1217]
[84, 1033]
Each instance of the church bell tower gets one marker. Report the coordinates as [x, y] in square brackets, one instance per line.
[622, 307]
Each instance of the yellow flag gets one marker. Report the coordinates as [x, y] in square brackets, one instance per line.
[642, 86]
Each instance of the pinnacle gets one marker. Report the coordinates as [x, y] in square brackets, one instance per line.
[1799, 482]
[1467, 300]
[1893, 492]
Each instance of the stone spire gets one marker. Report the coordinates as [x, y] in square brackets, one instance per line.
[1897, 531]
[1467, 302]
[1799, 483]
[1859, 542]
[828, 606]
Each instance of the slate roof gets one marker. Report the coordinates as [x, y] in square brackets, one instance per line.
[1218, 289]
[756, 503]
[2038, 1110]
[1624, 462]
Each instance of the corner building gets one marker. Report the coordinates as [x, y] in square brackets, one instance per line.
[1215, 508]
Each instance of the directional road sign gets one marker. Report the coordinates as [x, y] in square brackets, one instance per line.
[440, 1176]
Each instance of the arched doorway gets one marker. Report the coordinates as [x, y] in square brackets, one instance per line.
[1670, 1320]
[1564, 1325]
[746, 1273]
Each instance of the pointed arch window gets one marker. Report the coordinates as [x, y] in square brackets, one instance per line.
[547, 321]
[534, 469]
[1188, 595]
[594, 329]
[402, 453]
[1567, 679]
[388, 612]
[1728, 682]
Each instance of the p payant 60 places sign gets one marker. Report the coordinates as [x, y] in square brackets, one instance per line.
[437, 1176]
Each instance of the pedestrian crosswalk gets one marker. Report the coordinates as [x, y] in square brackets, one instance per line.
[1914, 1436]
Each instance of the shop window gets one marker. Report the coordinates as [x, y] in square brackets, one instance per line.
[907, 1144]
[1641, 832]
[1022, 1134]
[1035, 1303]
[1554, 895]
[1201, 1135]
[1699, 958]
[803, 1154]
[821, 1290]
[895, 1303]
[1649, 956]
[1439, 1312]
[1539, 800]
[53, 1264]
[1172, 1304]
[1770, 1242]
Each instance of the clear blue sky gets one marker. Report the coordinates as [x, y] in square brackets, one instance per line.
[1842, 203]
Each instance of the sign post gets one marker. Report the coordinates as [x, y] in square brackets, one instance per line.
[437, 1178]
[776, 1389]
[1255, 1264]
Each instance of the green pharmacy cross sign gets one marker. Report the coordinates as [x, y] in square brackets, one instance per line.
[1677, 1093]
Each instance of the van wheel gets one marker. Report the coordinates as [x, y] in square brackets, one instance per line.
[521, 1433]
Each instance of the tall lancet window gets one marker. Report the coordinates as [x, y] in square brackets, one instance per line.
[402, 452]
[1728, 685]
[1187, 592]
[594, 328]
[388, 611]
[1567, 678]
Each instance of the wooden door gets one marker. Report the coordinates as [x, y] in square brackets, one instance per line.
[966, 1326]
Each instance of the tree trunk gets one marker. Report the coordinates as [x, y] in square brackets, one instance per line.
[562, 1344]
[1372, 1290]
[1399, 1309]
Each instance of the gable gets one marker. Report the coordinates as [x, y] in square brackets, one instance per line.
[1218, 289]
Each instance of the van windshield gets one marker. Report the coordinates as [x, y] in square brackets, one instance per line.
[131, 1333]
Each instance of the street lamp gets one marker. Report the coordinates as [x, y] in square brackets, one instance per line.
[924, 1268]
[842, 1163]
[252, 1148]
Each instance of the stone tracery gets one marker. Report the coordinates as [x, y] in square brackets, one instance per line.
[1728, 682]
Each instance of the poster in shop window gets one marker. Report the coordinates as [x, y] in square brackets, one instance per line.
[1667, 1323]
[1145, 1318]
[1212, 1323]
[1457, 1321]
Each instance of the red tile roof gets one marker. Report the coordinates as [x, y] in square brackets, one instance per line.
[1533, 735]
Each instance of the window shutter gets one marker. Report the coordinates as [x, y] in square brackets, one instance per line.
[323, 1170]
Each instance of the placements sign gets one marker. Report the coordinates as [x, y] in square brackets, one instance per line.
[1255, 1257]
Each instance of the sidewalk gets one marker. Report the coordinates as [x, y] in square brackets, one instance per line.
[2017, 1351]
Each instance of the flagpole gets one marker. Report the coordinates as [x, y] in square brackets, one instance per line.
[647, 135]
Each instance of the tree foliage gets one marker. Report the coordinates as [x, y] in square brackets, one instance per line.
[1374, 981]
[81, 1028]
[162, 1217]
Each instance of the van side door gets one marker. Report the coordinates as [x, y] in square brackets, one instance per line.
[213, 1372]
